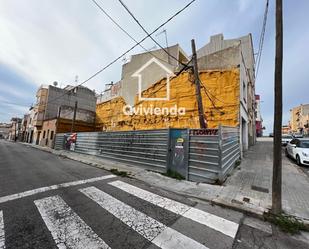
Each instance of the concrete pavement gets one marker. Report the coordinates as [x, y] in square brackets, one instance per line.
[47, 201]
[250, 185]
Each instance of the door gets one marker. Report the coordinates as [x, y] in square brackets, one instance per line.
[293, 148]
[289, 147]
[178, 151]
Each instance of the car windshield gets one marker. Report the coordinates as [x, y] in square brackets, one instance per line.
[304, 144]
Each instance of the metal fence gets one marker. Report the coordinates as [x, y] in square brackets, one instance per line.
[59, 141]
[147, 148]
[202, 155]
[230, 149]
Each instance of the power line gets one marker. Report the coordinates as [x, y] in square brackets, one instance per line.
[149, 35]
[214, 96]
[124, 31]
[261, 42]
[127, 51]
[16, 104]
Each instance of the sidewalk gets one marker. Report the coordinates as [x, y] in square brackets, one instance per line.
[248, 189]
[254, 178]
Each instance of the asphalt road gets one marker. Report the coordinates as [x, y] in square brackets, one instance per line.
[51, 202]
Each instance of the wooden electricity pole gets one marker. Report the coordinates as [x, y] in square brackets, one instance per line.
[277, 156]
[58, 119]
[198, 87]
[74, 117]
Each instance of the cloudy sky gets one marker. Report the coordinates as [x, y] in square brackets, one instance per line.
[42, 41]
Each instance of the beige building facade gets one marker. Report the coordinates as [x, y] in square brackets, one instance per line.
[222, 53]
[299, 120]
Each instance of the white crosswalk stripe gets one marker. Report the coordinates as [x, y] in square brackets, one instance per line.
[151, 229]
[2, 235]
[69, 230]
[52, 187]
[215, 222]
[66, 227]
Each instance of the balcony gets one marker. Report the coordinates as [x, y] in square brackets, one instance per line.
[37, 123]
[38, 119]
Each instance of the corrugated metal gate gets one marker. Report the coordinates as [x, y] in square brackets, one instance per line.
[204, 161]
[59, 141]
[212, 153]
[202, 155]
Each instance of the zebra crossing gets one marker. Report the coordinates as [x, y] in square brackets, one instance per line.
[68, 228]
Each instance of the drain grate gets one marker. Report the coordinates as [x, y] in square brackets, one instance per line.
[259, 189]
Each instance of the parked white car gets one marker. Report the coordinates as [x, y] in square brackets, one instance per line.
[286, 139]
[298, 149]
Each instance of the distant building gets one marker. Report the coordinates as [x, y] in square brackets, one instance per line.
[24, 125]
[4, 130]
[54, 111]
[15, 129]
[285, 129]
[299, 121]
[258, 118]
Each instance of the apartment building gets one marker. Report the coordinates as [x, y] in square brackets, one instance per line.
[54, 112]
[299, 119]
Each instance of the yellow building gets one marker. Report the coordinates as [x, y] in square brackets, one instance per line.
[299, 121]
[220, 96]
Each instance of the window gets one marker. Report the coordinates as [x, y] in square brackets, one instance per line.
[304, 144]
[51, 135]
[297, 143]
[244, 90]
[293, 141]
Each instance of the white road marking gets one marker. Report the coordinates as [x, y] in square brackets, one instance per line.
[215, 222]
[52, 187]
[151, 229]
[66, 227]
[2, 235]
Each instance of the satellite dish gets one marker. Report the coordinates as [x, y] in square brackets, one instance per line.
[55, 83]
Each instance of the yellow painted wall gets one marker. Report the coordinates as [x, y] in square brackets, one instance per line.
[222, 87]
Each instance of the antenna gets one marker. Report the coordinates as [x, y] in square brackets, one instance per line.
[165, 33]
[76, 80]
[152, 48]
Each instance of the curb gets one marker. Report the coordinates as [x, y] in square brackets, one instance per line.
[133, 172]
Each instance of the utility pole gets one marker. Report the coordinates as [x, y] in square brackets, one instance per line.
[58, 117]
[15, 135]
[74, 117]
[198, 87]
[277, 156]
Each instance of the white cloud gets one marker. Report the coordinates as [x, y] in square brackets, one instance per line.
[52, 40]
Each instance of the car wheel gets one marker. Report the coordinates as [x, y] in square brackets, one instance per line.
[298, 160]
